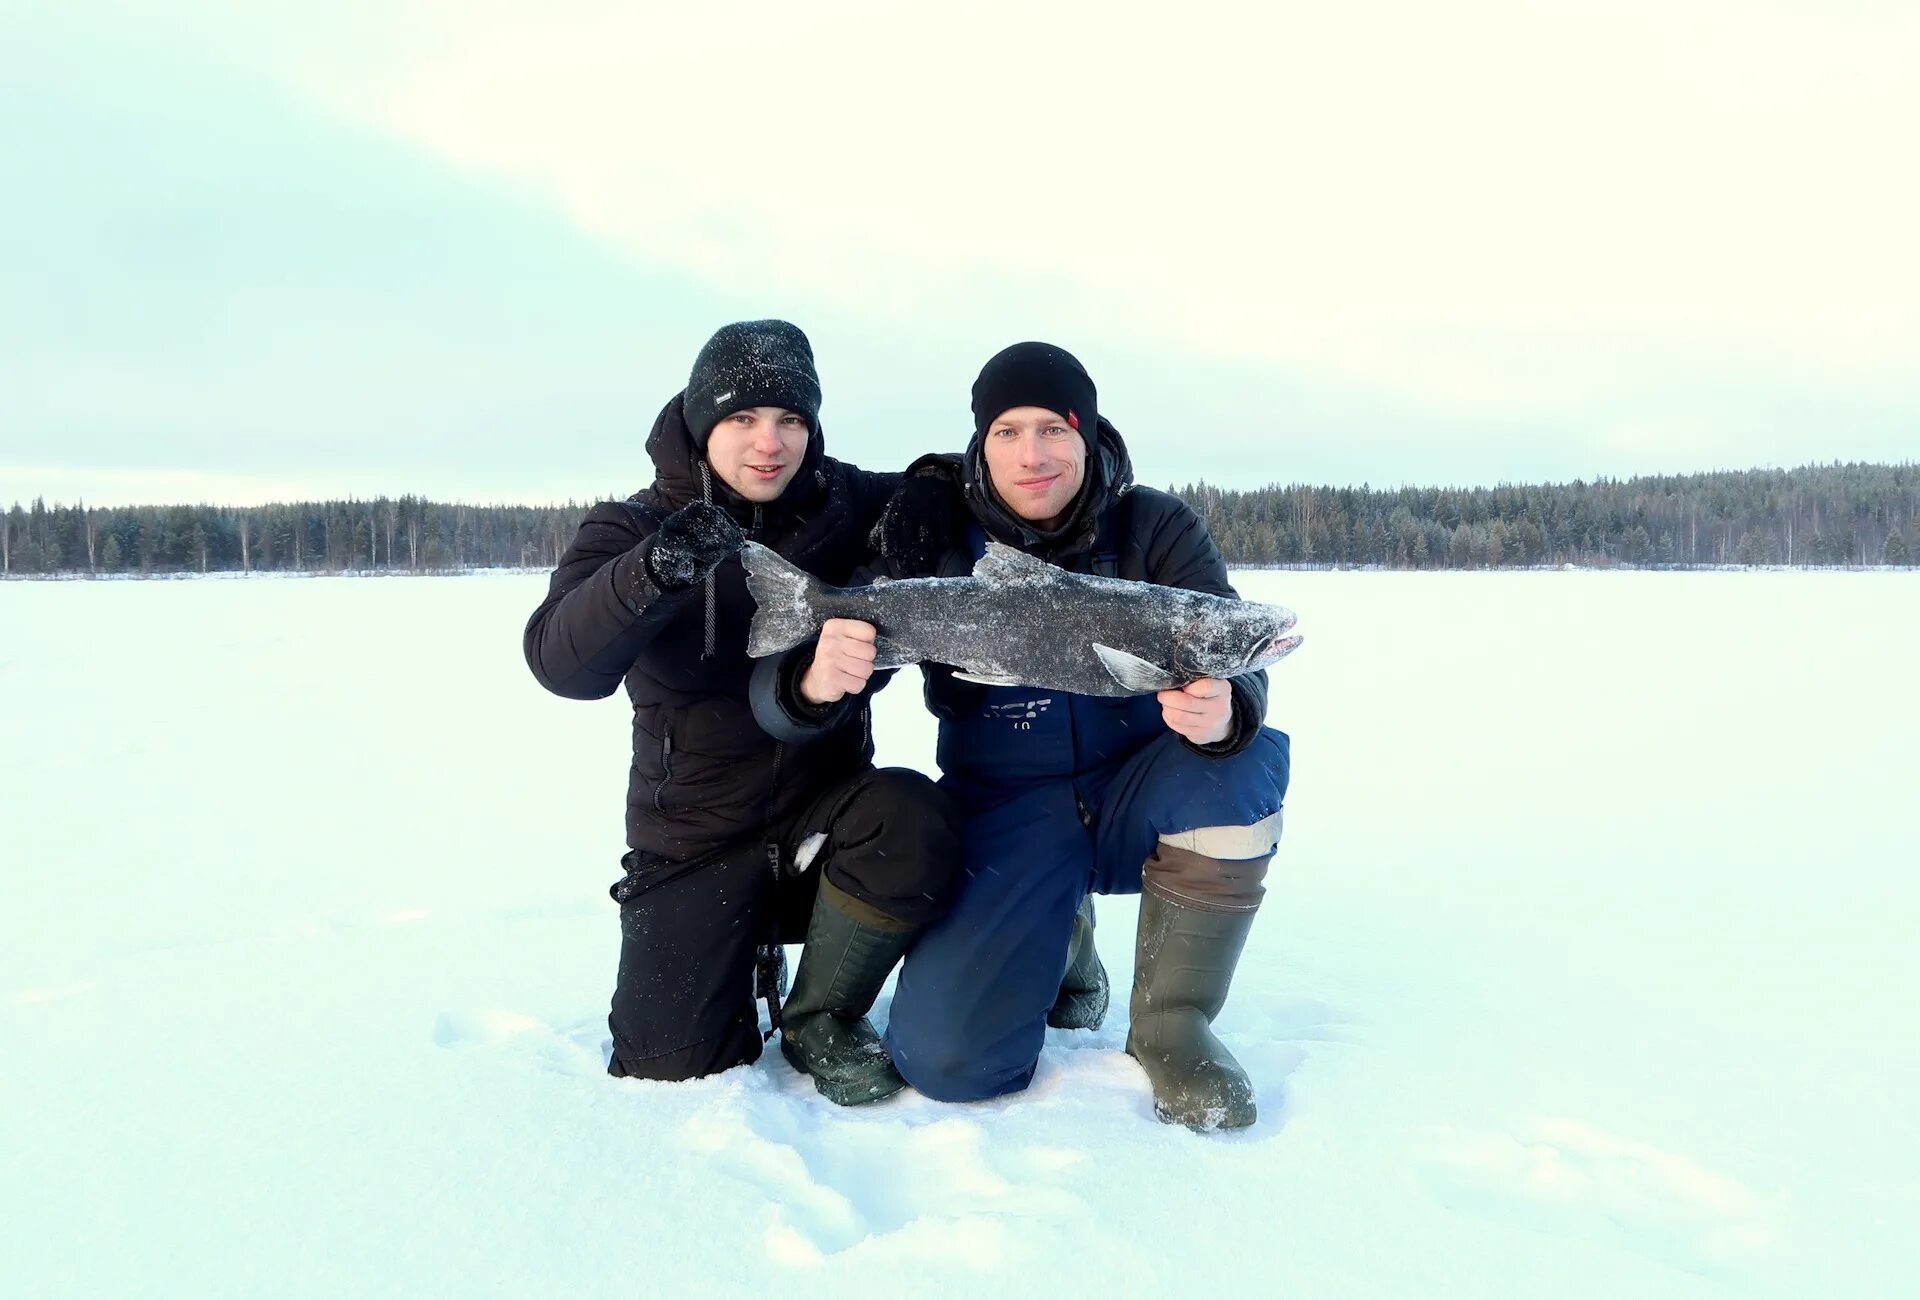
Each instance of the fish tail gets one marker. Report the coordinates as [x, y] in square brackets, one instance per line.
[786, 595]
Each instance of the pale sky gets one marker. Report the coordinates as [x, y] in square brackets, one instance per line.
[468, 249]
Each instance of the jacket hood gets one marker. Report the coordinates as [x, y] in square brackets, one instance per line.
[681, 474]
[1109, 473]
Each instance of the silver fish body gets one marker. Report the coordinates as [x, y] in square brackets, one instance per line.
[1017, 620]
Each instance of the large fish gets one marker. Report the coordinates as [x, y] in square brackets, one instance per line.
[1019, 621]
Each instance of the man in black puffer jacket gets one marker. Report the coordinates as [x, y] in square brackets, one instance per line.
[1176, 796]
[740, 840]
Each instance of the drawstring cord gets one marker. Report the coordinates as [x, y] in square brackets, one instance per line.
[706, 494]
[770, 957]
[770, 964]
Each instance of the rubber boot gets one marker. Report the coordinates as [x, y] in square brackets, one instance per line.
[1084, 990]
[851, 947]
[1183, 964]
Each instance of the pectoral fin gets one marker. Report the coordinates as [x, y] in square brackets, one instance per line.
[1133, 672]
[987, 679]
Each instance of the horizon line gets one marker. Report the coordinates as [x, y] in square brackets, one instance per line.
[1364, 485]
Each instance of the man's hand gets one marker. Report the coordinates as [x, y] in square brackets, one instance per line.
[842, 661]
[690, 544]
[1202, 711]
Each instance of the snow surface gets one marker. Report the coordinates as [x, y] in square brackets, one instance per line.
[1587, 969]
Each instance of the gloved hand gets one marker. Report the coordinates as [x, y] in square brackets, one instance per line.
[926, 518]
[690, 544]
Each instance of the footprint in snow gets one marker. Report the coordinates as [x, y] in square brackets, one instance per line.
[940, 1188]
[576, 1049]
[1570, 1179]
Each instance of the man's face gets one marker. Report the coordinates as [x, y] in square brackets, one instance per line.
[756, 452]
[1035, 460]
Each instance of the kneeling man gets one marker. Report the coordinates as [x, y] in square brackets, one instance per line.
[1068, 795]
[739, 839]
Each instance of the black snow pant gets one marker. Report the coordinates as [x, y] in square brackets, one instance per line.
[689, 931]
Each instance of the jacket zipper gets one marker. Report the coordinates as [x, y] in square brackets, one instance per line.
[666, 768]
[773, 797]
[1073, 750]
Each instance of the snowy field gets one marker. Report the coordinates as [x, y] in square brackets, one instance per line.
[1587, 968]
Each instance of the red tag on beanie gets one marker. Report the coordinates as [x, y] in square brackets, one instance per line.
[1074, 421]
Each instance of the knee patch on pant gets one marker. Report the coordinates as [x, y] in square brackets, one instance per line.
[1236, 842]
[1215, 868]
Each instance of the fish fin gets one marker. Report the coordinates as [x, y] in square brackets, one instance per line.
[1133, 672]
[891, 654]
[784, 593]
[1004, 563]
[987, 679]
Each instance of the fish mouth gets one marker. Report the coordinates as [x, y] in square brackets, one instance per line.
[1273, 650]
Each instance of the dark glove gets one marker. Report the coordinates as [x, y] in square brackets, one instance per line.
[690, 544]
[926, 518]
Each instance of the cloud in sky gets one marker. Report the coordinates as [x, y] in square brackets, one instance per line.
[1342, 186]
[1395, 242]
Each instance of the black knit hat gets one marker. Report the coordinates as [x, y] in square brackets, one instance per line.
[752, 363]
[1035, 374]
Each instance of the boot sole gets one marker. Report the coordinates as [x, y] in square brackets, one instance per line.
[844, 1092]
[1208, 1123]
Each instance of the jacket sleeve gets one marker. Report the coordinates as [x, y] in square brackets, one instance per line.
[1180, 553]
[782, 714]
[775, 695]
[602, 607]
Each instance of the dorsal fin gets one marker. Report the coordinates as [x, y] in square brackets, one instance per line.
[1004, 563]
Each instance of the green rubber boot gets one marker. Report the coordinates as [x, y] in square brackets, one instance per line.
[851, 947]
[1084, 990]
[1183, 965]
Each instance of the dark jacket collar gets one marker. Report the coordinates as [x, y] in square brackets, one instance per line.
[1108, 476]
[681, 474]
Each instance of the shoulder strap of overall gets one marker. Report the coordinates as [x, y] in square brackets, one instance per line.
[1105, 562]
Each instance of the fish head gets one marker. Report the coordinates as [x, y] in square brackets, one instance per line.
[1229, 637]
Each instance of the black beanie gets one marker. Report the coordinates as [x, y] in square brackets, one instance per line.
[752, 363]
[1035, 374]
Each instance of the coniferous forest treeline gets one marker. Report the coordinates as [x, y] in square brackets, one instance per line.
[1822, 515]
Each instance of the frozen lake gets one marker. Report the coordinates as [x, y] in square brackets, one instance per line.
[1586, 969]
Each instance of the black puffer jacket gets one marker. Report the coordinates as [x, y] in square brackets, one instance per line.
[704, 773]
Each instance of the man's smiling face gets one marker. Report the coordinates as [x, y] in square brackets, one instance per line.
[756, 452]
